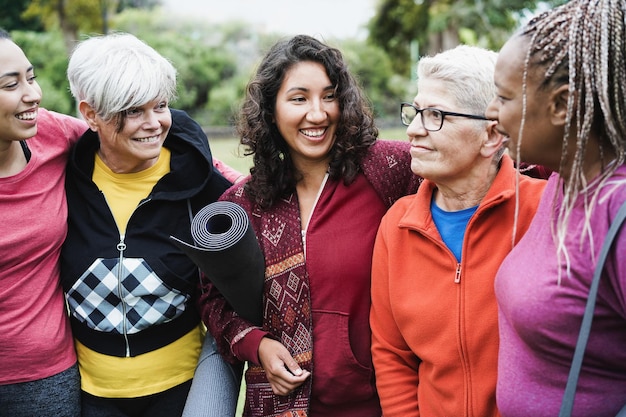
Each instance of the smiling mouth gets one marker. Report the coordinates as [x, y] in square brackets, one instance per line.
[28, 115]
[313, 133]
[147, 140]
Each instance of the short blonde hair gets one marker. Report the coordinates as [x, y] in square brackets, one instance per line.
[117, 72]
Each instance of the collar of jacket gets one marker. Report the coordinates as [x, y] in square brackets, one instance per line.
[191, 161]
[418, 216]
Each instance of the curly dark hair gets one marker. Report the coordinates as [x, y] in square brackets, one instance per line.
[273, 174]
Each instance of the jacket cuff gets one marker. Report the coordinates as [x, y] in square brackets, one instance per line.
[247, 348]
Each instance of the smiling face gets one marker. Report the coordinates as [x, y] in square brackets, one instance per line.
[452, 152]
[542, 135]
[137, 145]
[19, 94]
[307, 113]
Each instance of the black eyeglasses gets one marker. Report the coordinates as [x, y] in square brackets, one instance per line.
[432, 119]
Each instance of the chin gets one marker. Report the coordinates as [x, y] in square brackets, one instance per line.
[415, 169]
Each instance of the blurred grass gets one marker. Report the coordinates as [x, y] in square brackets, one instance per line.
[229, 152]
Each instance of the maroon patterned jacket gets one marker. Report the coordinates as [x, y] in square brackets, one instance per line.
[287, 310]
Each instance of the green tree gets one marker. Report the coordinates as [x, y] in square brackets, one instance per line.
[201, 59]
[11, 17]
[71, 16]
[406, 28]
[373, 69]
[74, 17]
[47, 54]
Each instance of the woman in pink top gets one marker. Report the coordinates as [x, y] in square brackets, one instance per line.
[38, 372]
[560, 98]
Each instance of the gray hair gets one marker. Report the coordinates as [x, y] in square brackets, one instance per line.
[468, 73]
[117, 72]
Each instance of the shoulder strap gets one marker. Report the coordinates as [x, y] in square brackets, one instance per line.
[585, 327]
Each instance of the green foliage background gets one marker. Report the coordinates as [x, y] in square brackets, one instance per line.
[215, 62]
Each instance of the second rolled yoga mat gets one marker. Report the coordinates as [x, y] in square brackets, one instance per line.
[227, 252]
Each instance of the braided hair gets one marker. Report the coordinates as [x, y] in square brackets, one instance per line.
[583, 44]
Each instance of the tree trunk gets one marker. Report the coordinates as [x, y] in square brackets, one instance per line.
[441, 41]
[68, 29]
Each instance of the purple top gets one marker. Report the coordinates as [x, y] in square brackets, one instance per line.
[539, 318]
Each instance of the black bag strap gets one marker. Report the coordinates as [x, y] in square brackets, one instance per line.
[585, 327]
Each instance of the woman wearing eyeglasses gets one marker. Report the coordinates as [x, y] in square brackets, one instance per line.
[434, 314]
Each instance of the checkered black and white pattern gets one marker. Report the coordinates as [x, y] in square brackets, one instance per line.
[123, 298]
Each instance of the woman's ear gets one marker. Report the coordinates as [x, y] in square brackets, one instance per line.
[494, 140]
[89, 114]
[558, 105]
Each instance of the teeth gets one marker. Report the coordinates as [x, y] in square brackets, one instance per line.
[314, 133]
[31, 115]
[150, 139]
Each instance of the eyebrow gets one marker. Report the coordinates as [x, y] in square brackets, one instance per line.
[330, 87]
[297, 89]
[16, 73]
[9, 74]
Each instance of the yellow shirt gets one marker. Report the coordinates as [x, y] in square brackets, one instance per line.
[123, 192]
[152, 372]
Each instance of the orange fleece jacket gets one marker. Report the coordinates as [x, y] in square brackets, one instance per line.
[434, 321]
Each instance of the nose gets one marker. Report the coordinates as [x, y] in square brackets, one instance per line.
[416, 128]
[151, 120]
[492, 110]
[32, 92]
[317, 112]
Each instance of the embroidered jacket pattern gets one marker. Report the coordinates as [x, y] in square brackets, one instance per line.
[287, 301]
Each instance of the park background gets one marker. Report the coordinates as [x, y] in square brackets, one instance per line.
[216, 44]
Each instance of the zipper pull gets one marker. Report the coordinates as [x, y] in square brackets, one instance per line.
[121, 247]
[457, 275]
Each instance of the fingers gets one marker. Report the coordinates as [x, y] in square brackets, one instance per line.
[285, 383]
[290, 363]
[282, 371]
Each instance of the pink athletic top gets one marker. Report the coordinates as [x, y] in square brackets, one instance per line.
[35, 336]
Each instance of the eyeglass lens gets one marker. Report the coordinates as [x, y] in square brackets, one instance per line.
[431, 119]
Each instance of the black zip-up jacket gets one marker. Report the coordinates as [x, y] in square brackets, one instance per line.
[135, 293]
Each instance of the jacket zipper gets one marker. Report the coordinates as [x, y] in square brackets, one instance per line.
[457, 274]
[121, 246]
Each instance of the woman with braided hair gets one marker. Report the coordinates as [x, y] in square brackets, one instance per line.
[561, 85]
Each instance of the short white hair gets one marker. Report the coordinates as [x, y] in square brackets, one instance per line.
[117, 72]
[467, 71]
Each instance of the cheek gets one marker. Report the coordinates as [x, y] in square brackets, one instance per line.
[334, 114]
[166, 121]
[37, 87]
[288, 118]
[109, 138]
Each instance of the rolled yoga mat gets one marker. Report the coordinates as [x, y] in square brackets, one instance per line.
[227, 252]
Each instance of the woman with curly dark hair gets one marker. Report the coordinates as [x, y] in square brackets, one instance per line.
[320, 183]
